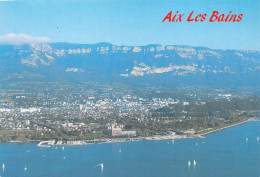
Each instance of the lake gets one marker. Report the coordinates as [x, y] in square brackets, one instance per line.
[225, 153]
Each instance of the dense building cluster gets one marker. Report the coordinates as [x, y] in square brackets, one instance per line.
[105, 111]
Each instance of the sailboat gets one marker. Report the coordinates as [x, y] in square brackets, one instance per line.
[196, 144]
[120, 150]
[194, 163]
[25, 168]
[189, 163]
[3, 166]
[101, 166]
[246, 139]
[63, 148]
[257, 138]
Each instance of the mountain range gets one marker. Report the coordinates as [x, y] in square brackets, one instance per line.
[150, 65]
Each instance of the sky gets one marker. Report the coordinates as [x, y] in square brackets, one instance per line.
[129, 22]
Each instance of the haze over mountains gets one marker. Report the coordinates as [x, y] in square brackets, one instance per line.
[150, 65]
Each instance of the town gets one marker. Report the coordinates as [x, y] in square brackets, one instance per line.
[106, 112]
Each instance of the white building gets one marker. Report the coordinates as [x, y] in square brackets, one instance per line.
[29, 110]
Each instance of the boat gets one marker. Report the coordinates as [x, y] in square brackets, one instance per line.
[3, 166]
[101, 166]
[196, 144]
[189, 163]
[246, 139]
[257, 138]
[172, 141]
[63, 148]
[194, 163]
[25, 168]
[120, 150]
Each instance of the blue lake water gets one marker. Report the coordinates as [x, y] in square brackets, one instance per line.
[225, 153]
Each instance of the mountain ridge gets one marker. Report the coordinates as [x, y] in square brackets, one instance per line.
[153, 65]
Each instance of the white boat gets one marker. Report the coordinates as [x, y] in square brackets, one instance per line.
[257, 138]
[101, 165]
[172, 141]
[120, 150]
[189, 163]
[196, 144]
[246, 139]
[194, 163]
[25, 168]
[3, 166]
[63, 148]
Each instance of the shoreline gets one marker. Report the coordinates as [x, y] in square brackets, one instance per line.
[154, 138]
[222, 128]
[50, 143]
[199, 135]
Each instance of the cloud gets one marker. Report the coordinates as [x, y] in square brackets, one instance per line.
[16, 39]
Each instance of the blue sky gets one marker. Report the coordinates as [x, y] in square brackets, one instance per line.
[132, 22]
